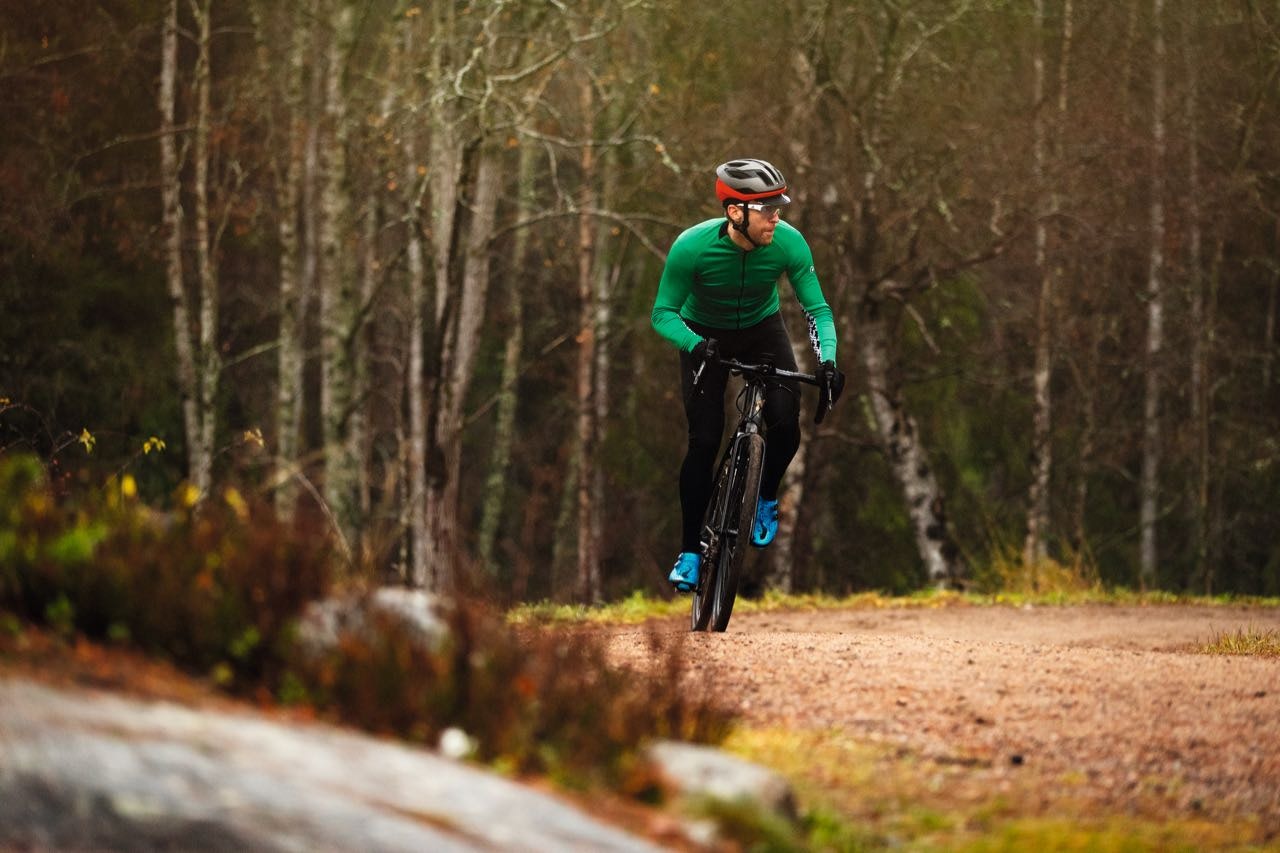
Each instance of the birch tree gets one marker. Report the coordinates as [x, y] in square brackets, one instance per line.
[889, 270]
[171, 212]
[1149, 486]
[588, 565]
[495, 490]
[197, 365]
[1034, 550]
[287, 169]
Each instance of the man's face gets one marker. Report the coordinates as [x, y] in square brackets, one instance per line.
[761, 220]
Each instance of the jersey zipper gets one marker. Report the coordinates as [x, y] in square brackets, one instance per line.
[742, 287]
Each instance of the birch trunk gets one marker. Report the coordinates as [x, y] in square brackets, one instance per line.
[1151, 451]
[588, 556]
[588, 547]
[606, 278]
[907, 456]
[495, 491]
[207, 359]
[415, 476]
[1034, 550]
[312, 177]
[339, 389]
[445, 175]
[458, 368]
[289, 379]
[172, 218]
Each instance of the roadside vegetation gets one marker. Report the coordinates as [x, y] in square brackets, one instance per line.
[639, 607]
[218, 587]
[1255, 642]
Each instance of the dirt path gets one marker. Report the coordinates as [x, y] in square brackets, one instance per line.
[1104, 709]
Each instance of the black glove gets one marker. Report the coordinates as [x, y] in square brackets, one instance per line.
[831, 385]
[707, 349]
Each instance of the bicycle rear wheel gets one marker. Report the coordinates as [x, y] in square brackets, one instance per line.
[739, 521]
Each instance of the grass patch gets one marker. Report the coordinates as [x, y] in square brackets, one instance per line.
[856, 795]
[638, 607]
[1251, 642]
[1115, 835]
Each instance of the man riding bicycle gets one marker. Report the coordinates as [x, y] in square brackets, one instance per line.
[718, 298]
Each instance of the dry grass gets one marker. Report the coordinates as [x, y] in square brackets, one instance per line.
[1252, 642]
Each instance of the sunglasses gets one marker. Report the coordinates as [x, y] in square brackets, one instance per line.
[768, 211]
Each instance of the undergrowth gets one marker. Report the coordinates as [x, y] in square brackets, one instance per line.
[219, 587]
[639, 608]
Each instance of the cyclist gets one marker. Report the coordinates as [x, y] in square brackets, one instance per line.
[718, 296]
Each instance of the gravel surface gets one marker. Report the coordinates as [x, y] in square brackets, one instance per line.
[1110, 709]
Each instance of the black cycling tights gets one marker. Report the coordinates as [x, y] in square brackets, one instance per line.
[705, 409]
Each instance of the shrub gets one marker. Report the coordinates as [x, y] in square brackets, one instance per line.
[219, 589]
[213, 588]
[530, 700]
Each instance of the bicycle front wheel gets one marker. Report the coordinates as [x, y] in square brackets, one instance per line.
[740, 520]
[716, 523]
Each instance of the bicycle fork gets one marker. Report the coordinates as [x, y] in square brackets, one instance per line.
[730, 471]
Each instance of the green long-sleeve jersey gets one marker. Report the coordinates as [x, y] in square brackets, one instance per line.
[708, 279]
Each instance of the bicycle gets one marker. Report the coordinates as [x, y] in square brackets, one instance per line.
[731, 512]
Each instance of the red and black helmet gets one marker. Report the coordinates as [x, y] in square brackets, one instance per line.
[750, 180]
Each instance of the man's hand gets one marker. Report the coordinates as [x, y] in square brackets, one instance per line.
[831, 385]
[705, 351]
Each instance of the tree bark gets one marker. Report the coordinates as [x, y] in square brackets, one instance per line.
[495, 491]
[289, 364]
[588, 563]
[207, 360]
[925, 503]
[445, 176]
[417, 174]
[1034, 550]
[172, 218]
[338, 311]
[1151, 450]
[465, 313]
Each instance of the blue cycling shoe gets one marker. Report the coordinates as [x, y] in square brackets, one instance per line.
[684, 576]
[766, 526]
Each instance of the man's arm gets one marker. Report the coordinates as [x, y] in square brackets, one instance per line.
[673, 290]
[804, 281]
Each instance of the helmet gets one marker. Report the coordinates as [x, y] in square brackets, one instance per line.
[750, 180]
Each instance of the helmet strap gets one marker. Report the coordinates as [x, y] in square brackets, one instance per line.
[741, 226]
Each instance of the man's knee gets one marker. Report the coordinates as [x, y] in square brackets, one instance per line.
[704, 441]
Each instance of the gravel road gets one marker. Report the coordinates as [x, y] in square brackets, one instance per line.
[1110, 709]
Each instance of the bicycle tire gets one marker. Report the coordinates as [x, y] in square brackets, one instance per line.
[746, 492]
[713, 547]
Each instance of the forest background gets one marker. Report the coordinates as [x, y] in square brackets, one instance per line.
[393, 263]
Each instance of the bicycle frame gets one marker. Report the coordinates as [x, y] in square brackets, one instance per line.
[731, 513]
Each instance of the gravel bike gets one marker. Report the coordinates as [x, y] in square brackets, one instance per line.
[731, 512]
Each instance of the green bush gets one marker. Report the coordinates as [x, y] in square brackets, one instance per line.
[218, 588]
[213, 587]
